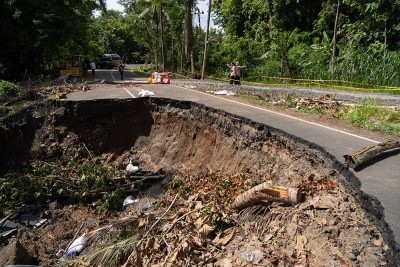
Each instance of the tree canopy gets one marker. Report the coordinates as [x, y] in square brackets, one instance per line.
[329, 39]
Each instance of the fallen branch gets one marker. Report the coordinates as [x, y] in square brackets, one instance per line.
[148, 177]
[135, 252]
[6, 218]
[266, 191]
[358, 158]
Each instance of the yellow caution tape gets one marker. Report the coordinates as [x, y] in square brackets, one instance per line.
[304, 82]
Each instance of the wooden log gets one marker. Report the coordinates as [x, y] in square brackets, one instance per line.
[146, 177]
[358, 158]
[6, 218]
[267, 191]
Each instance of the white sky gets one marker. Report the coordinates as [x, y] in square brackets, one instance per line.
[201, 4]
[112, 4]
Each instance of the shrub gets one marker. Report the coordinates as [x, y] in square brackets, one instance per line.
[7, 89]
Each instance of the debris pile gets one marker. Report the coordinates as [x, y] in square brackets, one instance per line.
[61, 91]
[193, 227]
[186, 218]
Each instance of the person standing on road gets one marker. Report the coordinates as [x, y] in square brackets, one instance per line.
[121, 70]
[237, 79]
[93, 66]
[232, 73]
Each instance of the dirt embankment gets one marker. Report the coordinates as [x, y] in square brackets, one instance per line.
[335, 223]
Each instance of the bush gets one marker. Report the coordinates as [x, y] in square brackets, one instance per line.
[7, 89]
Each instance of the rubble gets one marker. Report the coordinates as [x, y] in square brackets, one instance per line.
[197, 161]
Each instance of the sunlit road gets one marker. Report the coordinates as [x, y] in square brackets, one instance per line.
[380, 179]
[113, 74]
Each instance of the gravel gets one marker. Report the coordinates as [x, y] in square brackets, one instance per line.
[276, 92]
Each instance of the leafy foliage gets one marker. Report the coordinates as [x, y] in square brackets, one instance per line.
[270, 38]
[7, 89]
[75, 180]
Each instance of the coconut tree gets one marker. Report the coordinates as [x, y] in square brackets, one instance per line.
[189, 4]
[157, 17]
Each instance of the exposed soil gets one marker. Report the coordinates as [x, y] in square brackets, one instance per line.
[210, 157]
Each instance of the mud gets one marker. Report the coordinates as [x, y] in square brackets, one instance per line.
[187, 137]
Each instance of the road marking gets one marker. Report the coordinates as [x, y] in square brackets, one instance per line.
[129, 93]
[112, 75]
[284, 115]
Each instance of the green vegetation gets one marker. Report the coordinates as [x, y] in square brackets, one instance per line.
[372, 116]
[75, 180]
[369, 114]
[10, 110]
[142, 69]
[7, 89]
[353, 44]
[175, 183]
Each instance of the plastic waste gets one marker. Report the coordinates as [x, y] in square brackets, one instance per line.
[145, 93]
[255, 255]
[76, 247]
[224, 92]
[128, 201]
[130, 168]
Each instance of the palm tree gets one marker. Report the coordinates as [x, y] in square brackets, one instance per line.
[157, 18]
[189, 4]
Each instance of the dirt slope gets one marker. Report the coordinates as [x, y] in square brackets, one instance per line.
[336, 224]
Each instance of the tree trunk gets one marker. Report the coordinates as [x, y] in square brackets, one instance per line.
[162, 38]
[335, 34]
[156, 50]
[266, 191]
[285, 61]
[270, 19]
[173, 53]
[203, 69]
[189, 33]
[358, 158]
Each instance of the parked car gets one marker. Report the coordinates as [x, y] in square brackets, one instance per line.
[115, 59]
[105, 63]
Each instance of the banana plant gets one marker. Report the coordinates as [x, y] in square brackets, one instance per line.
[281, 42]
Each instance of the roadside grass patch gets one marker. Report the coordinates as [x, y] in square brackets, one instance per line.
[254, 99]
[369, 114]
[372, 116]
[142, 69]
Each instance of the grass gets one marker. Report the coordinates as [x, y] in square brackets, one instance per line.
[142, 69]
[340, 86]
[52, 97]
[255, 100]
[369, 114]
[6, 111]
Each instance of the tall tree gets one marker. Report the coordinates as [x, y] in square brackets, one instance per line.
[189, 4]
[35, 34]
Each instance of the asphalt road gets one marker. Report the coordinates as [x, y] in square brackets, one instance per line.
[380, 179]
